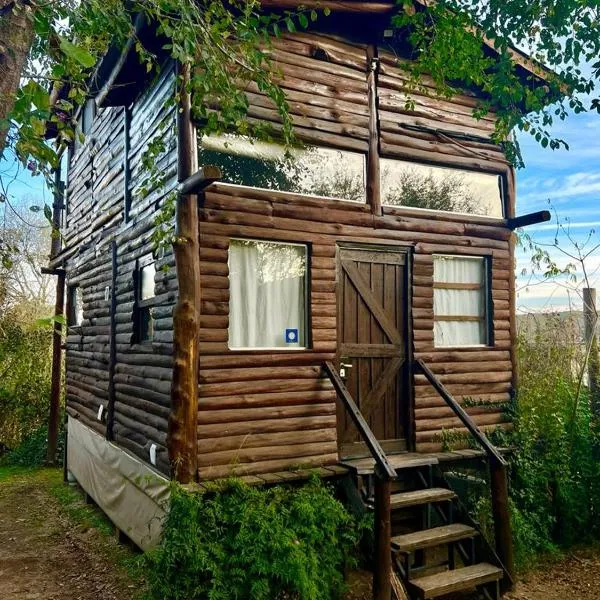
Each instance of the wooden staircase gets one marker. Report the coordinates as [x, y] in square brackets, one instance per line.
[391, 485]
[424, 525]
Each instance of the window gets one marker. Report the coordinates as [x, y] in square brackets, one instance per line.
[267, 294]
[75, 316]
[441, 188]
[311, 170]
[144, 322]
[460, 301]
[87, 114]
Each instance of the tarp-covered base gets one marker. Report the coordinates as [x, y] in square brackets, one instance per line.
[133, 495]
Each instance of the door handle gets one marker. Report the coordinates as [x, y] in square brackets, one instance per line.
[344, 367]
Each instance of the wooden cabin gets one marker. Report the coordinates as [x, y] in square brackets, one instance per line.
[350, 299]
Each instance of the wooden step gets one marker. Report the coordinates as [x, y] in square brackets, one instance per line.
[432, 537]
[405, 460]
[459, 580]
[418, 497]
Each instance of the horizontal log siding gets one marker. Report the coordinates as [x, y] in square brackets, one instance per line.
[96, 192]
[262, 412]
[325, 84]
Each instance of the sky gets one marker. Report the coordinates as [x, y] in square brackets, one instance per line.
[565, 181]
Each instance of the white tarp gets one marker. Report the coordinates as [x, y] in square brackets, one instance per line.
[132, 494]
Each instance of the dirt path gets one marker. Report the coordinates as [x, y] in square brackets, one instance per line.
[54, 547]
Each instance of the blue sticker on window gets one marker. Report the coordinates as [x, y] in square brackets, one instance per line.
[291, 336]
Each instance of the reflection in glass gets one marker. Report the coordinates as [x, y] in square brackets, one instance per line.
[440, 188]
[309, 170]
[147, 281]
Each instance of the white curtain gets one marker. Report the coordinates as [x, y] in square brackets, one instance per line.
[457, 302]
[266, 294]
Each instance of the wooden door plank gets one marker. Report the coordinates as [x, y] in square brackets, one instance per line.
[367, 295]
[371, 350]
[383, 383]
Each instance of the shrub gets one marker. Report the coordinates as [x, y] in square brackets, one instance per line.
[555, 479]
[254, 543]
[31, 452]
[25, 365]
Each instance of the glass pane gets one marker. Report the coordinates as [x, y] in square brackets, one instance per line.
[459, 333]
[77, 302]
[445, 189]
[310, 170]
[464, 272]
[147, 282]
[267, 295]
[458, 269]
[146, 324]
[458, 302]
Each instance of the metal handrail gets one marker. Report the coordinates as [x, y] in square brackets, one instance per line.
[385, 469]
[460, 412]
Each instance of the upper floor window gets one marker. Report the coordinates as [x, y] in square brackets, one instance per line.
[460, 301]
[267, 294]
[145, 294]
[75, 316]
[87, 114]
[310, 170]
[445, 189]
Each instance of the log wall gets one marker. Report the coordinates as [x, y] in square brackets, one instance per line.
[266, 411]
[96, 216]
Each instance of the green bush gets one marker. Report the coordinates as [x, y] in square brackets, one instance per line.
[555, 483]
[243, 542]
[31, 452]
[25, 366]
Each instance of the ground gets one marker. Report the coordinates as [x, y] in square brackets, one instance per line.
[55, 547]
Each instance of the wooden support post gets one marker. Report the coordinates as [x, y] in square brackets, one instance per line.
[382, 567]
[590, 317]
[54, 417]
[112, 358]
[373, 164]
[182, 440]
[59, 309]
[502, 525]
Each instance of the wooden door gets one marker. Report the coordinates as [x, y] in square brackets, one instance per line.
[372, 325]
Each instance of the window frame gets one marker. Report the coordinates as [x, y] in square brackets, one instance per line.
[72, 290]
[328, 147]
[486, 288]
[308, 334]
[142, 308]
[503, 188]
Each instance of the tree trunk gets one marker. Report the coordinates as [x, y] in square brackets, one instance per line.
[16, 37]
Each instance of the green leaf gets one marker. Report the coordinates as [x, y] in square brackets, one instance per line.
[47, 212]
[77, 53]
[290, 25]
[303, 20]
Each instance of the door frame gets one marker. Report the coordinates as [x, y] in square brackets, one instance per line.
[406, 378]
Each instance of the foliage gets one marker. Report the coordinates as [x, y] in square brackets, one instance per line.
[449, 40]
[555, 485]
[31, 452]
[25, 364]
[236, 541]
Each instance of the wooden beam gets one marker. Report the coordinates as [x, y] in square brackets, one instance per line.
[352, 6]
[53, 419]
[541, 216]
[382, 561]
[373, 162]
[112, 359]
[182, 437]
